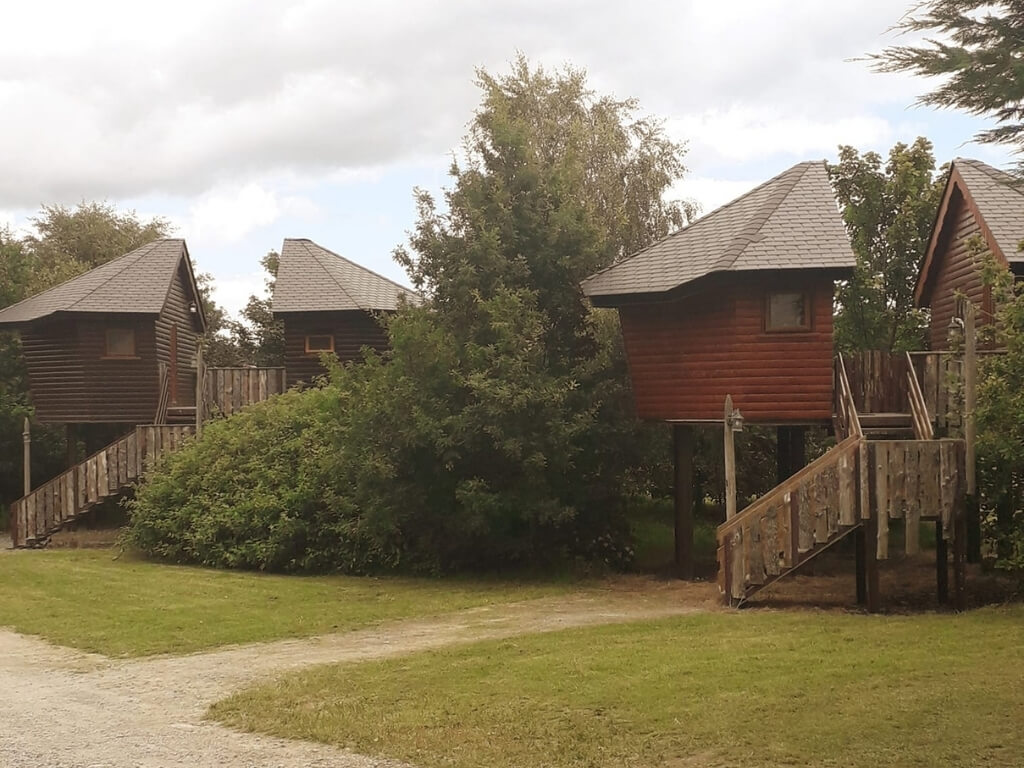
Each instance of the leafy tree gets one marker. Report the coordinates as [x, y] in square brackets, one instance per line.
[499, 428]
[889, 210]
[975, 49]
[259, 337]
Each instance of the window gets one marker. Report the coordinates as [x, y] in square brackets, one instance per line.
[120, 342]
[789, 311]
[316, 344]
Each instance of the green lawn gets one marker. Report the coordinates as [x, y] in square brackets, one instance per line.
[88, 600]
[751, 689]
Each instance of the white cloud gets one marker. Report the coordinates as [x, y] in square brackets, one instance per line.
[227, 214]
[232, 292]
[745, 133]
[711, 193]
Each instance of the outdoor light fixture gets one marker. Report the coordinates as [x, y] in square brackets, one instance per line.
[192, 307]
[735, 420]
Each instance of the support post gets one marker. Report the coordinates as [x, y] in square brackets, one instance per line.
[790, 452]
[870, 527]
[941, 565]
[200, 390]
[683, 440]
[973, 522]
[71, 445]
[730, 460]
[26, 438]
[862, 575]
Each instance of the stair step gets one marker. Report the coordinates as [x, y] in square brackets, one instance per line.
[886, 420]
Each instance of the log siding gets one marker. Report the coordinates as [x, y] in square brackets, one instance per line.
[351, 331]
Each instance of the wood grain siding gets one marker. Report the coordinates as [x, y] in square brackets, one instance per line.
[71, 379]
[686, 356]
[955, 272]
[176, 312]
[351, 331]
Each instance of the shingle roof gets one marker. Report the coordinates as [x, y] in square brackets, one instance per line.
[311, 278]
[136, 283]
[789, 222]
[999, 198]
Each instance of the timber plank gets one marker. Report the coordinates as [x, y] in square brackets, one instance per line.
[880, 471]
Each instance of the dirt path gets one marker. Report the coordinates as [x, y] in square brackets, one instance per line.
[66, 709]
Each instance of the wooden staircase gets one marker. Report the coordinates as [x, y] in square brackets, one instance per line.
[887, 465]
[108, 472]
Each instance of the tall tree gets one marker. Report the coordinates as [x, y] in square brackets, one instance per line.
[499, 428]
[889, 208]
[258, 336]
[974, 49]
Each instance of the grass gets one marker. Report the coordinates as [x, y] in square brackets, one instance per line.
[752, 689]
[85, 599]
[654, 538]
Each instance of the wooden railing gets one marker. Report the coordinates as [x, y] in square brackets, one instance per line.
[790, 524]
[163, 403]
[848, 422]
[228, 390]
[921, 418]
[107, 472]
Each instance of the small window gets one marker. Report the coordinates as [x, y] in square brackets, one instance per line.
[120, 342]
[789, 311]
[315, 344]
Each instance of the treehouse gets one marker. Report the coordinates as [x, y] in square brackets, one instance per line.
[329, 304]
[116, 344]
[738, 303]
[979, 202]
[729, 321]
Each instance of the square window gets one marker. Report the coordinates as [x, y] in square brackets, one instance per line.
[120, 342]
[787, 311]
[320, 343]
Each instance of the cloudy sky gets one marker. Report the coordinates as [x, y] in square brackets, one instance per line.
[248, 122]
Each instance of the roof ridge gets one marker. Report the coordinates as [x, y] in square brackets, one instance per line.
[756, 223]
[355, 264]
[70, 280]
[708, 217]
[997, 175]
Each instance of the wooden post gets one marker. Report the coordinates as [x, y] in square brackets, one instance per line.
[200, 390]
[683, 440]
[871, 581]
[941, 565]
[26, 438]
[71, 445]
[790, 452]
[862, 575]
[973, 522]
[730, 461]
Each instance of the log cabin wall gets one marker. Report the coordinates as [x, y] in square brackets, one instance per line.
[177, 321]
[956, 272]
[685, 356]
[73, 381]
[351, 332]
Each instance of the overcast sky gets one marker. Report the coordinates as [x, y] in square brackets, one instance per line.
[248, 122]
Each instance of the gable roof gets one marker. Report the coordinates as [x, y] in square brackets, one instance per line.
[996, 199]
[790, 222]
[311, 278]
[136, 283]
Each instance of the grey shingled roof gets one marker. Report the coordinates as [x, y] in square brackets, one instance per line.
[137, 282]
[789, 222]
[999, 198]
[311, 278]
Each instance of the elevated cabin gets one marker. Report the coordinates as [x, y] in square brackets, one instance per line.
[738, 303]
[95, 346]
[979, 201]
[329, 304]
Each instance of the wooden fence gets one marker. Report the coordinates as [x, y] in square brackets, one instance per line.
[228, 390]
[107, 472]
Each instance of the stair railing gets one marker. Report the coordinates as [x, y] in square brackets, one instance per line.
[164, 401]
[846, 409]
[923, 429]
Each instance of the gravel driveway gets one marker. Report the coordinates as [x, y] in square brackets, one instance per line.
[61, 708]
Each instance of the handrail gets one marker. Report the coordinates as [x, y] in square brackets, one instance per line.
[774, 496]
[922, 420]
[165, 395]
[847, 408]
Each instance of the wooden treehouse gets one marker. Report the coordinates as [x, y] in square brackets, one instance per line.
[737, 308]
[329, 304]
[119, 345]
